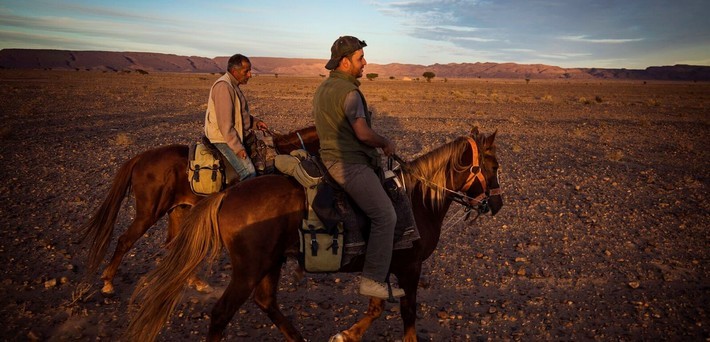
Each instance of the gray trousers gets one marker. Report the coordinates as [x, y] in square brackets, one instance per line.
[364, 187]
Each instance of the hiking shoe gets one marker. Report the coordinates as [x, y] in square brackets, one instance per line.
[371, 288]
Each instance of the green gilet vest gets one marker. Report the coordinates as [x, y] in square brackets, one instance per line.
[337, 137]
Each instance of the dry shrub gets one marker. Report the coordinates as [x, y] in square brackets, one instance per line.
[457, 94]
[123, 139]
[653, 102]
[546, 97]
[615, 155]
[584, 100]
[495, 97]
[578, 132]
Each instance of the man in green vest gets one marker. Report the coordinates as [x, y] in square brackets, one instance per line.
[349, 151]
[227, 119]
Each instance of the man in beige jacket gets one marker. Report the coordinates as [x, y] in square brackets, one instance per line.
[227, 120]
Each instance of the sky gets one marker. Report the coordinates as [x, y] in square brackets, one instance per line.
[632, 34]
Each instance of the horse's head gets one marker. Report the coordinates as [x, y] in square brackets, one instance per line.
[464, 171]
[482, 186]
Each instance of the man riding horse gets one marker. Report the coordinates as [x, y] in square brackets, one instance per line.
[228, 121]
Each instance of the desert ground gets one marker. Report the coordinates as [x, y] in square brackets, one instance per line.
[603, 236]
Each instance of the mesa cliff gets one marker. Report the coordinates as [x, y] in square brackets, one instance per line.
[159, 62]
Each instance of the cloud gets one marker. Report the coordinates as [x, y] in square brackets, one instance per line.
[584, 39]
[474, 39]
[563, 56]
[552, 31]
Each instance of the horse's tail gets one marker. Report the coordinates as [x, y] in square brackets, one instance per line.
[161, 291]
[99, 229]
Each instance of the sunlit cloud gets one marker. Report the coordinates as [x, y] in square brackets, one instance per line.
[518, 50]
[563, 56]
[474, 39]
[584, 39]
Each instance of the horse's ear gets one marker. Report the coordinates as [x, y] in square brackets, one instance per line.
[474, 131]
[488, 143]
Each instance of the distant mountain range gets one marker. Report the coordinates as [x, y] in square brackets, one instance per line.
[158, 62]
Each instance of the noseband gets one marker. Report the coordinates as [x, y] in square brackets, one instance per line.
[480, 202]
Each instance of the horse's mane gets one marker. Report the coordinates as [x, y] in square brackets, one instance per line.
[430, 172]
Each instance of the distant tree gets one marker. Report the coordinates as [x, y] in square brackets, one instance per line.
[372, 76]
[428, 75]
[276, 75]
[141, 71]
[391, 77]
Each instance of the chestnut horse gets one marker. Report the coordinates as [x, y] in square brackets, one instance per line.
[160, 186]
[258, 220]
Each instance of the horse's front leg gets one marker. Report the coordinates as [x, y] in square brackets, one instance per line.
[408, 308]
[355, 333]
[409, 282]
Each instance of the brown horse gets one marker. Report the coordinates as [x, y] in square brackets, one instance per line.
[260, 230]
[160, 186]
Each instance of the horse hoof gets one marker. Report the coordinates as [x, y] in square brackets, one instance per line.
[337, 338]
[108, 291]
[201, 286]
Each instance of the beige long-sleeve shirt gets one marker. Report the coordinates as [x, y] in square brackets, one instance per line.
[227, 116]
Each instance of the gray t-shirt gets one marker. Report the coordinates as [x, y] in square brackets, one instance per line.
[353, 106]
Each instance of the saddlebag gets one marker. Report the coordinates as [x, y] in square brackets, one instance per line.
[322, 249]
[205, 171]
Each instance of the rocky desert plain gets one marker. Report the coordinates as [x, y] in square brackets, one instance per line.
[604, 235]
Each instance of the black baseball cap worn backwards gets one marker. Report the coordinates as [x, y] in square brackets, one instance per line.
[342, 47]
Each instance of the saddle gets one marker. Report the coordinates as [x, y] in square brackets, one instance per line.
[343, 223]
[261, 149]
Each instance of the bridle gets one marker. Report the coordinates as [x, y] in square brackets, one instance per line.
[480, 202]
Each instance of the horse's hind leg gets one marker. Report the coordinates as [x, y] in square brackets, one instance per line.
[139, 226]
[265, 298]
[355, 333]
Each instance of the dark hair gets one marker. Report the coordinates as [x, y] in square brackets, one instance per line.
[236, 61]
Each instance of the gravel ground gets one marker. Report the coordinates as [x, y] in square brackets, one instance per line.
[603, 236]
